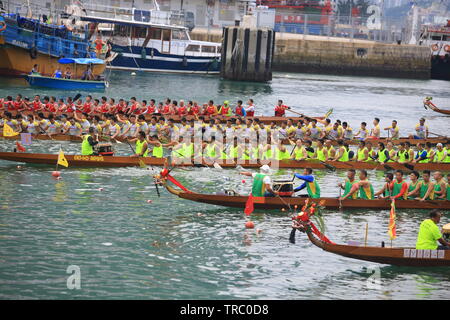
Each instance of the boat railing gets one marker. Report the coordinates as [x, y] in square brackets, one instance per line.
[151, 16]
[49, 42]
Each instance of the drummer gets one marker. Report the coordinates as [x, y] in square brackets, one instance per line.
[87, 146]
[429, 233]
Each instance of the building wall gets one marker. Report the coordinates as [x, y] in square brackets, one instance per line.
[328, 55]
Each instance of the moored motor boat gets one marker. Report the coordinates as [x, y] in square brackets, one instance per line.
[37, 80]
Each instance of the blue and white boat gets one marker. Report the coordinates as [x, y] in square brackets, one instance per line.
[150, 40]
[37, 80]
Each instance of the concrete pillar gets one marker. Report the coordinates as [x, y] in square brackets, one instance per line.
[247, 53]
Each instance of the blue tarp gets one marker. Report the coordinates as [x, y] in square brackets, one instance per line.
[81, 61]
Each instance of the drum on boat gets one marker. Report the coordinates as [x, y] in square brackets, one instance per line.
[284, 187]
[446, 231]
[105, 149]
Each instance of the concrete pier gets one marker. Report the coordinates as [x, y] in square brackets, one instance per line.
[247, 54]
[330, 55]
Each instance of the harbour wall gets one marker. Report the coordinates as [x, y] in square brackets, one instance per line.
[331, 55]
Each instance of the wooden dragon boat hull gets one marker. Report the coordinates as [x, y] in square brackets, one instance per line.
[79, 160]
[177, 118]
[280, 203]
[63, 137]
[395, 256]
[123, 161]
[436, 109]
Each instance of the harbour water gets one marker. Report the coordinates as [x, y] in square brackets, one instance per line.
[128, 248]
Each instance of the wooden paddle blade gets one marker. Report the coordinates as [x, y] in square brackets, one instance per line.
[142, 164]
[328, 166]
[76, 97]
[292, 236]
[329, 112]
[217, 166]
[157, 189]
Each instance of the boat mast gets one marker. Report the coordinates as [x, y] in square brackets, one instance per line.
[414, 24]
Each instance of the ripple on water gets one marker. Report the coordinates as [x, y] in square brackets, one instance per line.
[126, 248]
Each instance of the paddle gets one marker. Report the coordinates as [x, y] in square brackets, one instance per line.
[77, 96]
[293, 150]
[328, 166]
[340, 200]
[292, 236]
[301, 114]
[439, 135]
[141, 163]
[408, 166]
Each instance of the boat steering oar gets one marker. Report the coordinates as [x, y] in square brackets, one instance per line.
[292, 235]
[438, 135]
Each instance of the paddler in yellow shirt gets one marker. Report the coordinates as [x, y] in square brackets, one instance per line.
[429, 233]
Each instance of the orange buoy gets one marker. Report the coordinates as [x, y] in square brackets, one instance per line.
[56, 174]
[249, 225]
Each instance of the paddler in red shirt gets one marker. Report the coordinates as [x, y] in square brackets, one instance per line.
[70, 105]
[37, 104]
[120, 108]
[151, 108]
[18, 103]
[250, 109]
[211, 109]
[96, 106]
[142, 108]
[112, 106]
[104, 107]
[280, 109]
[240, 111]
[87, 107]
[133, 107]
[174, 108]
[61, 106]
[9, 104]
[166, 109]
[225, 110]
[48, 105]
[194, 108]
[182, 109]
